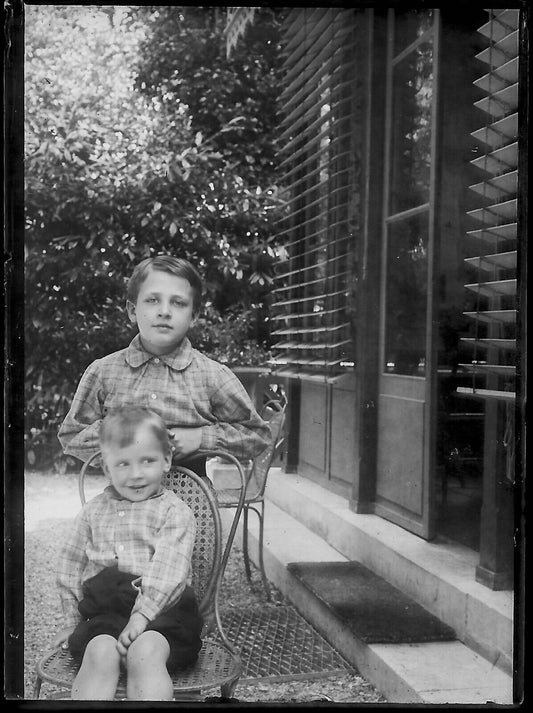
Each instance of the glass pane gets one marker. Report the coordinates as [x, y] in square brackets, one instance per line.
[406, 297]
[409, 26]
[411, 129]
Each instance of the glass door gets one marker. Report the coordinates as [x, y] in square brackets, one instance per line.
[407, 362]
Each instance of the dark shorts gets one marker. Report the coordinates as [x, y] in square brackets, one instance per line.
[108, 599]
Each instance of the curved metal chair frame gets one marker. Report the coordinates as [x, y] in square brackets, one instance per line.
[218, 663]
[256, 480]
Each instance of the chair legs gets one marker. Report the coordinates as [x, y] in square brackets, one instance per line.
[261, 516]
[261, 560]
[228, 689]
[37, 687]
[245, 544]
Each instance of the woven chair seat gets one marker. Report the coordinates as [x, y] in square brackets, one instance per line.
[215, 667]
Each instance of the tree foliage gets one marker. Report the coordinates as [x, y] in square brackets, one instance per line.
[232, 104]
[183, 62]
[118, 167]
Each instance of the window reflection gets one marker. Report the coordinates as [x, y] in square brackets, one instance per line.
[409, 26]
[411, 129]
[406, 285]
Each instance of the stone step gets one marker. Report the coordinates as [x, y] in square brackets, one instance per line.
[443, 672]
[438, 575]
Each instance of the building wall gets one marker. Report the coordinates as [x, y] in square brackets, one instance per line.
[328, 445]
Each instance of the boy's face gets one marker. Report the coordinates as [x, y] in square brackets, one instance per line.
[163, 311]
[136, 470]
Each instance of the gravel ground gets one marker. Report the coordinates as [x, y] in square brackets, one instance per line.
[51, 501]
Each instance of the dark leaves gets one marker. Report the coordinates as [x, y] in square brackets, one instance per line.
[182, 164]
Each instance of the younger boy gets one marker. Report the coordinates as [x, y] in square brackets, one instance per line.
[124, 570]
[202, 402]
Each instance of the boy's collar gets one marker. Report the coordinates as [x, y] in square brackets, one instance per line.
[179, 359]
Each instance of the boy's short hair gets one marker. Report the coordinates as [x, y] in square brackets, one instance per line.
[174, 266]
[120, 425]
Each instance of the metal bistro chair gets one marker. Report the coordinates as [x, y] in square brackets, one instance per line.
[256, 480]
[218, 663]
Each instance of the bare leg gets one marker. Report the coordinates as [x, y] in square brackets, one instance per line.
[148, 678]
[98, 675]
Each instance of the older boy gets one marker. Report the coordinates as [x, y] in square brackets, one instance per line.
[202, 402]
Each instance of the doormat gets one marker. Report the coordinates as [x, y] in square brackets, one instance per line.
[278, 644]
[371, 608]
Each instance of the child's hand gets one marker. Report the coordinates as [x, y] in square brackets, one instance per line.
[134, 628]
[62, 636]
[185, 441]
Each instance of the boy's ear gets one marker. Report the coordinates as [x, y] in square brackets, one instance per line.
[130, 308]
[105, 469]
[168, 461]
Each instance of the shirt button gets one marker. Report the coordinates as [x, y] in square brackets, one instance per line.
[121, 513]
[153, 397]
[156, 360]
[120, 548]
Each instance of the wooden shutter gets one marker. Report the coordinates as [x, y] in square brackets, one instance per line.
[313, 294]
[494, 265]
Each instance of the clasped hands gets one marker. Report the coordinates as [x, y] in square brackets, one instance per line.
[185, 441]
[137, 623]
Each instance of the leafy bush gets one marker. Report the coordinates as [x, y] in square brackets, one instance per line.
[115, 173]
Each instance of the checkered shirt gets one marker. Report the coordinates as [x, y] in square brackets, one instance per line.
[152, 539]
[185, 388]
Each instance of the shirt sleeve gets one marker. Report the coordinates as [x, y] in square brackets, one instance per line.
[71, 565]
[239, 429]
[165, 576]
[78, 434]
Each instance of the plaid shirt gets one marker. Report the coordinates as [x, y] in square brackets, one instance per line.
[153, 539]
[185, 388]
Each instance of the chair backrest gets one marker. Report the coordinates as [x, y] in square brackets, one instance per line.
[207, 553]
[274, 413]
[209, 559]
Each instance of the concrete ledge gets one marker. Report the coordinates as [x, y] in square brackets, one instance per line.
[440, 576]
[409, 673]
[446, 672]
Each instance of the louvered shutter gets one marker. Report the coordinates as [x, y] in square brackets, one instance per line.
[494, 266]
[313, 294]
